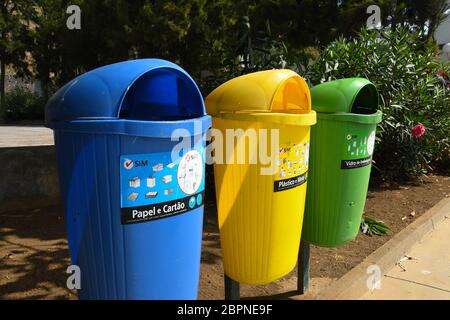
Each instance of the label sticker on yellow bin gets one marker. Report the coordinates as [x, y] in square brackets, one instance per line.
[292, 166]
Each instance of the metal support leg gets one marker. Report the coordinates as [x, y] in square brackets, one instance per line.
[303, 268]
[231, 289]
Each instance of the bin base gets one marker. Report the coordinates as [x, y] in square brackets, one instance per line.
[330, 244]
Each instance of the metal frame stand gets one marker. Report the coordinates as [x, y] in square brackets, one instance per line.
[303, 268]
[232, 291]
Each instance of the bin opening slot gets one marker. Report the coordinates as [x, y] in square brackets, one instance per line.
[366, 101]
[162, 94]
[292, 97]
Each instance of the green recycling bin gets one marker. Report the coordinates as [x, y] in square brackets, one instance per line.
[342, 144]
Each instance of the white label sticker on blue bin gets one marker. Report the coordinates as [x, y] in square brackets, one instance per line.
[153, 186]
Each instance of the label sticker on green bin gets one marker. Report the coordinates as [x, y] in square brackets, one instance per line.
[359, 150]
[152, 186]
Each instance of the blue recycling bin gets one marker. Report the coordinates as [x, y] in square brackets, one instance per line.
[130, 150]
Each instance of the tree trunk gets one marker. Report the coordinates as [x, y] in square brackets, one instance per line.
[2, 87]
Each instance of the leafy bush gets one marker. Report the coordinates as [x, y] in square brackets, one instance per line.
[404, 70]
[22, 104]
[252, 50]
[372, 227]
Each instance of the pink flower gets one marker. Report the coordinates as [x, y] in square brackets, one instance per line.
[418, 130]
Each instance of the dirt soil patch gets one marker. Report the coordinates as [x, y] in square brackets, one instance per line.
[34, 254]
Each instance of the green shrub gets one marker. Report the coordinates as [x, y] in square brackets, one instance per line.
[404, 70]
[372, 227]
[22, 104]
[252, 50]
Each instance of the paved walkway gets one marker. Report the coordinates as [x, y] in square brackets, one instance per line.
[425, 274]
[24, 136]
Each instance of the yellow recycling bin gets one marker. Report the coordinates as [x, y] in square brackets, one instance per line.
[263, 115]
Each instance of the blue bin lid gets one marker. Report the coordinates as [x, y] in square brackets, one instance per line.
[145, 89]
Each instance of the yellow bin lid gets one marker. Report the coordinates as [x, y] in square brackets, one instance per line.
[280, 96]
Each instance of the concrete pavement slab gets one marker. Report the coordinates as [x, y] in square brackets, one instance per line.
[424, 274]
[25, 136]
[354, 284]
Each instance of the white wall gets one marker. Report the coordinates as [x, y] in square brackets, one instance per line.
[442, 34]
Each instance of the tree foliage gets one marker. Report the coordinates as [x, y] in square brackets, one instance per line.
[15, 26]
[222, 37]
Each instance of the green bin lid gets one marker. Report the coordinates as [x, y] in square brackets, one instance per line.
[352, 95]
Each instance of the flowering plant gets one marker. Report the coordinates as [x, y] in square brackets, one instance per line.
[414, 97]
[418, 130]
